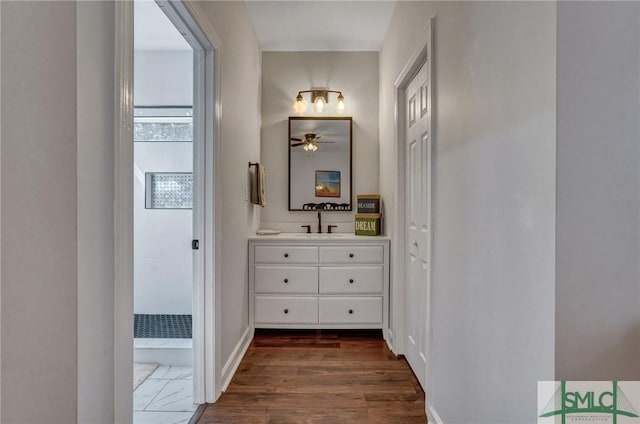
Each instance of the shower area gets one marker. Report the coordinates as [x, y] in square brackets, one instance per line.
[163, 266]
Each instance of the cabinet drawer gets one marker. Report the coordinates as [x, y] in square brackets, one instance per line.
[286, 310]
[286, 279]
[350, 310]
[351, 254]
[286, 254]
[361, 279]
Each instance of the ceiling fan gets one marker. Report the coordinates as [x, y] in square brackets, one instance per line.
[310, 142]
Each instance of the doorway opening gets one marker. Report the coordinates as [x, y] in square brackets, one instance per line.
[191, 22]
[164, 206]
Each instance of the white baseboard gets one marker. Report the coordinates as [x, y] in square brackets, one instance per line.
[388, 337]
[229, 369]
[433, 416]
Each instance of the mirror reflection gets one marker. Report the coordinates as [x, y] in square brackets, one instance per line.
[320, 163]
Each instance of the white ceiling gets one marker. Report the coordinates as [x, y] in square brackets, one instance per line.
[292, 25]
[320, 25]
[153, 30]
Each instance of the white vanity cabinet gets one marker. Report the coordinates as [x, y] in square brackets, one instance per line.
[328, 281]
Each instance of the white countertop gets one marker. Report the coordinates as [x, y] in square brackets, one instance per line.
[316, 237]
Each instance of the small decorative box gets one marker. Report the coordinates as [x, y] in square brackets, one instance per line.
[368, 203]
[368, 224]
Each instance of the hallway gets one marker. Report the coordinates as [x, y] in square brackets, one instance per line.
[535, 223]
[319, 377]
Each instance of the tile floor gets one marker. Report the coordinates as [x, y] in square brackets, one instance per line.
[165, 397]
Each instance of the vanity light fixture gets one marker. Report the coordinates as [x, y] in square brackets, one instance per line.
[319, 98]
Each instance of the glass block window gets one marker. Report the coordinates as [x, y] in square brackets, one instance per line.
[169, 190]
[163, 123]
[163, 129]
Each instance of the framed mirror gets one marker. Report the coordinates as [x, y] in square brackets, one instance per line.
[320, 163]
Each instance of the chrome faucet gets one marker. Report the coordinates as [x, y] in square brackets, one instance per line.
[319, 223]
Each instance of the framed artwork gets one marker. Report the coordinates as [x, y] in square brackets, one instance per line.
[327, 183]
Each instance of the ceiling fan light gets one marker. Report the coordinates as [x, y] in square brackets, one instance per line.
[340, 107]
[310, 147]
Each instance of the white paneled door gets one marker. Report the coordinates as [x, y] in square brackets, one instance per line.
[418, 218]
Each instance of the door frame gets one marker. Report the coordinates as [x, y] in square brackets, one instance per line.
[190, 19]
[422, 51]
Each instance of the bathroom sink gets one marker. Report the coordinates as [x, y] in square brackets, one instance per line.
[333, 235]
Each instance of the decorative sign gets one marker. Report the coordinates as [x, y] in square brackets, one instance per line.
[368, 224]
[368, 203]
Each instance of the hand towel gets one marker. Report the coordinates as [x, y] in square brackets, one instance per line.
[261, 186]
[253, 184]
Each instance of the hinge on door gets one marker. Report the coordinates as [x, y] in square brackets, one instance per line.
[195, 244]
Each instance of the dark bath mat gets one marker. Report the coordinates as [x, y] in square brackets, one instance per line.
[162, 326]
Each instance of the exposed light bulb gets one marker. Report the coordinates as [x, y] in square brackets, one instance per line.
[299, 107]
[319, 105]
[340, 107]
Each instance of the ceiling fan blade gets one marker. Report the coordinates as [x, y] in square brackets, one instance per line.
[295, 139]
[298, 144]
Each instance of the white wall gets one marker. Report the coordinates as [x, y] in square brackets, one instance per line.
[0, 219]
[493, 200]
[240, 143]
[39, 213]
[163, 271]
[163, 78]
[95, 55]
[283, 75]
[598, 242]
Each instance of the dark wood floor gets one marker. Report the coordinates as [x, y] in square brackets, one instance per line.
[319, 377]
